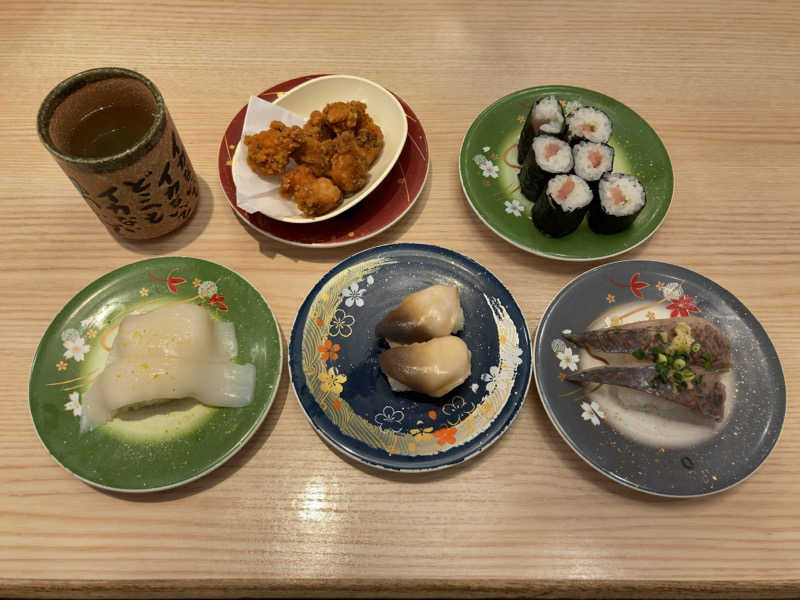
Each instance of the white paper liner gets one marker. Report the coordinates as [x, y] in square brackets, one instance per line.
[255, 193]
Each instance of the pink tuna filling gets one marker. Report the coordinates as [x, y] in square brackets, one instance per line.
[551, 149]
[565, 190]
[617, 196]
[595, 158]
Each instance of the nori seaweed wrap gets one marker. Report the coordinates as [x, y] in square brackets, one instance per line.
[588, 123]
[619, 201]
[562, 205]
[545, 117]
[550, 156]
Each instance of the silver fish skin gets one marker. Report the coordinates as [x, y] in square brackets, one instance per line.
[643, 335]
[707, 398]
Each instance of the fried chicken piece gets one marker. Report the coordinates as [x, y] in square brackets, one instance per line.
[317, 128]
[344, 116]
[369, 138]
[299, 177]
[322, 197]
[269, 151]
[348, 165]
[313, 152]
[315, 196]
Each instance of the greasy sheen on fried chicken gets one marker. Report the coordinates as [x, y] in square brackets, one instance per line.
[268, 152]
[314, 195]
[333, 150]
[348, 164]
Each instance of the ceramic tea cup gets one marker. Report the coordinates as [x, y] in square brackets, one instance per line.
[110, 132]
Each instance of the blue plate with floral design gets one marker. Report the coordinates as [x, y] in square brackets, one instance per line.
[637, 439]
[333, 361]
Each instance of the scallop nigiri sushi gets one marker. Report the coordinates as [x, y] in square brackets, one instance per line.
[431, 312]
[176, 351]
[435, 367]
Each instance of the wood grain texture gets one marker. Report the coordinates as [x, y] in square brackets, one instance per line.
[717, 80]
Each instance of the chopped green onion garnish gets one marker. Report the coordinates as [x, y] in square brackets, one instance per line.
[679, 363]
[662, 358]
[695, 347]
[707, 365]
[638, 354]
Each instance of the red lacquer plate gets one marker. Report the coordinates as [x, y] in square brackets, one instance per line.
[377, 212]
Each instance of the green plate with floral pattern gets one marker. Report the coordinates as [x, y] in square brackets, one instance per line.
[163, 446]
[488, 169]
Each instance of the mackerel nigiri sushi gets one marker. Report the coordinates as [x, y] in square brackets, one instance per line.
[706, 395]
[685, 357]
[698, 338]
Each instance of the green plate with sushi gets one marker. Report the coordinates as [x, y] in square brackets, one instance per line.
[167, 444]
[490, 176]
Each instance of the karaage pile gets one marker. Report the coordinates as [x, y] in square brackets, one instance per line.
[333, 152]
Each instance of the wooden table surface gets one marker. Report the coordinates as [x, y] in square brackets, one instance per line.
[718, 81]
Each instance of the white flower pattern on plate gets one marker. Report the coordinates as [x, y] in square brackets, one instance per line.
[672, 290]
[69, 334]
[353, 295]
[489, 169]
[491, 378]
[568, 360]
[207, 289]
[76, 348]
[592, 412]
[390, 418]
[74, 404]
[514, 207]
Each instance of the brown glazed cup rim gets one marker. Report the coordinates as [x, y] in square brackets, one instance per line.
[106, 163]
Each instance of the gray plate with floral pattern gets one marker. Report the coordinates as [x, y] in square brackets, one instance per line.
[636, 439]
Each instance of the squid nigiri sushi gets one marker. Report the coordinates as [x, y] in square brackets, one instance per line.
[176, 351]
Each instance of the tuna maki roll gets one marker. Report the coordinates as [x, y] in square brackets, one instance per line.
[544, 117]
[592, 160]
[562, 205]
[590, 124]
[550, 156]
[620, 199]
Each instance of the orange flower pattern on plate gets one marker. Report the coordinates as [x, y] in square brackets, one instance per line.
[446, 435]
[329, 350]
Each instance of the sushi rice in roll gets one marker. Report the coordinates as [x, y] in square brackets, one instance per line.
[590, 124]
[545, 117]
[620, 199]
[562, 205]
[592, 160]
[550, 156]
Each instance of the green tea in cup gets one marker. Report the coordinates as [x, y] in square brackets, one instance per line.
[110, 131]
